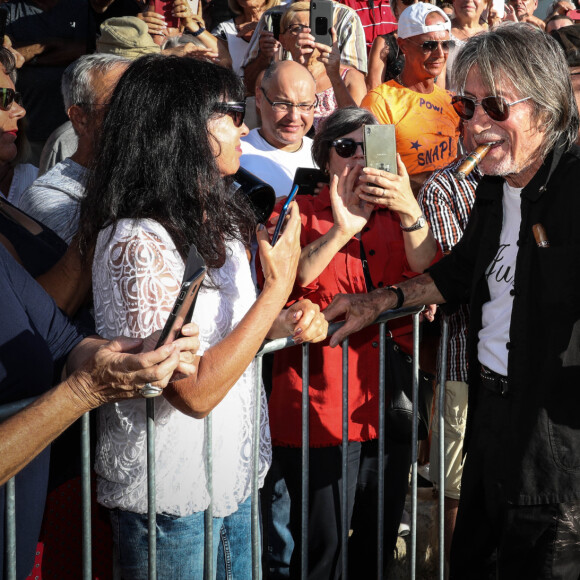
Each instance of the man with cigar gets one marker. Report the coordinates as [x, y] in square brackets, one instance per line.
[520, 491]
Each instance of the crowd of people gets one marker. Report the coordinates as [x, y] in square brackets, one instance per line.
[123, 125]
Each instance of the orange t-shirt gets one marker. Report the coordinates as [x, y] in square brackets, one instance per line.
[426, 126]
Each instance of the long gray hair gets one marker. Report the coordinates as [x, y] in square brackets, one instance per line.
[534, 64]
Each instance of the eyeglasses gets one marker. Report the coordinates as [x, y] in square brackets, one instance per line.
[285, 106]
[8, 96]
[347, 147]
[296, 29]
[433, 45]
[496, 107]
[235, 109]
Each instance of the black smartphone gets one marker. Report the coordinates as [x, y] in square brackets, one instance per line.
[321, 13]
[308, 178]
[282, 216]
[276, 17]
[183, 306]
[381, 147]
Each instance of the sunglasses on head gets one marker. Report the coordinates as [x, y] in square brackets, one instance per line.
[236, 110]
[7, 97]
[496, 107]
[346, 147]
[432, 45]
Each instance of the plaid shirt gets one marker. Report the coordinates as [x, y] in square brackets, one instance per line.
[446, 203]
[349, 30]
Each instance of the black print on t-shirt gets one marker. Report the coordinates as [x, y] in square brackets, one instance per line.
[501, 272]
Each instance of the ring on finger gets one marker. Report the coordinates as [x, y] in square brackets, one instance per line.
[148, 390]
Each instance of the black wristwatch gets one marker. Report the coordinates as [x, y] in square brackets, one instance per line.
[400, 296]
[201, 30]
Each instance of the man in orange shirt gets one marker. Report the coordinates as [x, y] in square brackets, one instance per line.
[427, 126]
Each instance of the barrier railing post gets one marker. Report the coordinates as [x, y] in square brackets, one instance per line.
[441, 450]
[208, 555]
[381, 452]
[86, 496]
[10, 503]
[305, 460]
[344, 512]
[256, 541]
[151, 499]
[414, 443]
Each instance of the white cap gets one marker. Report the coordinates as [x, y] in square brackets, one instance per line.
[412, 20]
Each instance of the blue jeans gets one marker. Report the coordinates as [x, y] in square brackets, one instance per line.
[180, 545]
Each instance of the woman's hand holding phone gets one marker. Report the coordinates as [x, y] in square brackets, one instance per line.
[279, 262]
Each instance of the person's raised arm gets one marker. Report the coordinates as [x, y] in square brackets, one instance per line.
[394, 192]
[377, 63]
[107, 371]
[223, 364]
[349, 216]
[360, 310]
[349, 93]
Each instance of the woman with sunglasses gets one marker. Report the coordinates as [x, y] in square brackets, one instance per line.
[353, 240]
[427, 127]
[336, 85]
[170, 140]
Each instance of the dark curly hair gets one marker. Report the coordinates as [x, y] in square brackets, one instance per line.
[154, 158]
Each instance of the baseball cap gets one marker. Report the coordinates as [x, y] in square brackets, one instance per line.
[412, 20]
[126, 36]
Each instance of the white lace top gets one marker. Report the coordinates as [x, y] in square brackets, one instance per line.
[136, 277]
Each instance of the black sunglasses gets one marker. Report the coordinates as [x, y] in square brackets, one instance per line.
[8, 96]
[496, 107]
[236, 110]
[432, 45]
[347, 147]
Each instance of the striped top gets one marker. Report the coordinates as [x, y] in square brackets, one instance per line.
[446, 203]
[349, 30]
[376, 17]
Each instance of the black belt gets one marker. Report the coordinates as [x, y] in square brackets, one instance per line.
[494, 382]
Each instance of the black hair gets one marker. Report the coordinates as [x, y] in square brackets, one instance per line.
[154, 158]
[338, 124]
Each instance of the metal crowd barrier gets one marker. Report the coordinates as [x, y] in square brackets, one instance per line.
[269, 347]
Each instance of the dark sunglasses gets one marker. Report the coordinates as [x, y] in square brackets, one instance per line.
[432, 45]
[496, 107]
[236, 110]
[8, 96]
[346, 147]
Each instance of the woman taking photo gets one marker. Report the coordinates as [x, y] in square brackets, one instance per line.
[352, 241]
[336, 85]
[170, 138]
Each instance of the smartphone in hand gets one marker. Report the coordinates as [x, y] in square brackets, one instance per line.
[283, 214]
[321, 15]
[380, 147]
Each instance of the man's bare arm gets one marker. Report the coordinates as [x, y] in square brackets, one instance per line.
[360, 310]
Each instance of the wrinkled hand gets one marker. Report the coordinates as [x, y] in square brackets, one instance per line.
[305, 45]
[118, 370]
[193, 51]
[391, 191]
[510, 14]
[268, 44]
[305, 322]
[279, 263]
[155, 22]
[428, 313]
[329, 56]
[350, 213]
[181, 9]
[188, 345]
[359, 310]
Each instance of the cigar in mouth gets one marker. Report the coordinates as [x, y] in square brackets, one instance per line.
[472, 161]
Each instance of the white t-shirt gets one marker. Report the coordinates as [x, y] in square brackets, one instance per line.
[497, 313]
[275, 166]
